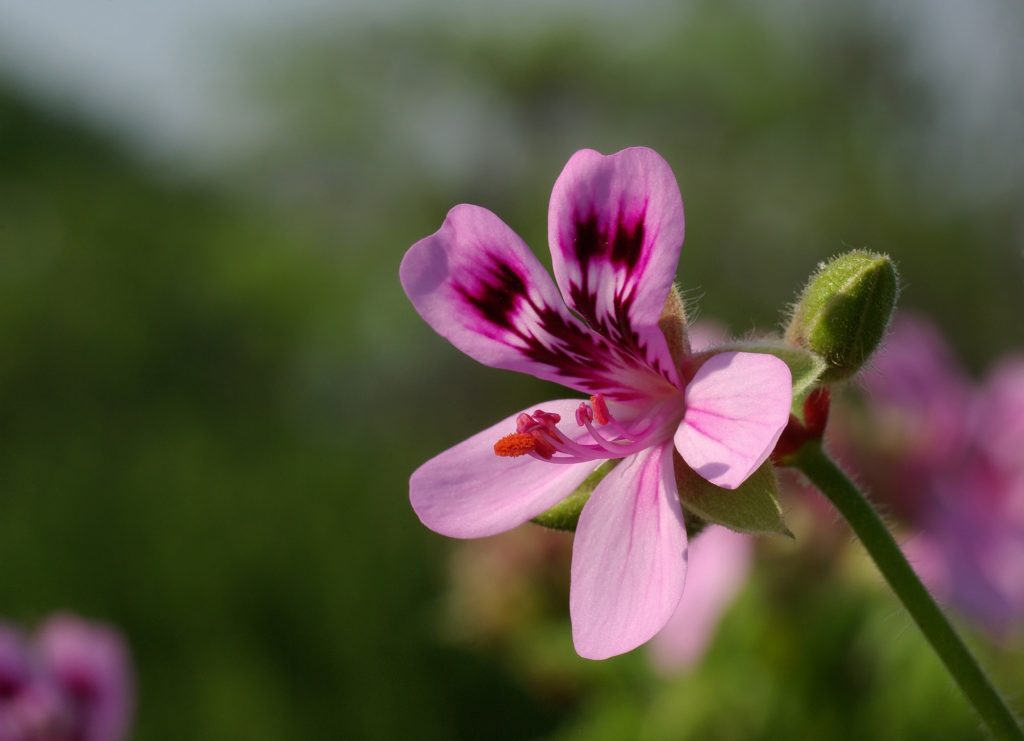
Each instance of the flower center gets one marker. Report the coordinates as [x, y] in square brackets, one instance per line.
[537, 435]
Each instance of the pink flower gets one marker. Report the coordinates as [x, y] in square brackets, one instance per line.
[926, 393]
[72, 683]
[615, 226]
[916, 420]
[31, 705]
[89, 662]
[721, 560]
[944, 454]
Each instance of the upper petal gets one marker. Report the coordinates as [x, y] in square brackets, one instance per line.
[736, 408]
[628, 557]
[479, 286]
[469, 492]
[615, 225]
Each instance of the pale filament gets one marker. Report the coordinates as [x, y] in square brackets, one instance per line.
[542, 426]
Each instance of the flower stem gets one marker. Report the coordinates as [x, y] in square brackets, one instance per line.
[815, 463]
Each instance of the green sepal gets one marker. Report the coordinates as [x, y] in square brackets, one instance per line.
[844, 311]
[565, 514]
[806, 367]
[753, 507]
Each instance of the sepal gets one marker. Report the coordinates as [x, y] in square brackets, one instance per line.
[753, 507]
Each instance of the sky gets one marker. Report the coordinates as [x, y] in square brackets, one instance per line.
[165, 73]
[159, 71]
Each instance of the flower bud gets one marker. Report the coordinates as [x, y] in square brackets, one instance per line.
[844, 311]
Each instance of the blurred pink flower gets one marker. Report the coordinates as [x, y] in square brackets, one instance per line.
[919, 399]
[615, 228]
[72, 683]
[31, 706]
[945, 455]
[89, 662]
[720, 561]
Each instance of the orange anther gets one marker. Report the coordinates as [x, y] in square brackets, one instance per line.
[515, 445]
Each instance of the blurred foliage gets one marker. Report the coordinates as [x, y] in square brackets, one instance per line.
[212, 393]
[173, 461]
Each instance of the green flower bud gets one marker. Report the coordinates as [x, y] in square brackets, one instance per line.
[844, 311]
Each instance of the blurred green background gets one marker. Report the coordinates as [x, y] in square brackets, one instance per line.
[212, 389]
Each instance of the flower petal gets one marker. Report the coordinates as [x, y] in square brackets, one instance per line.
[479, 286]
[736, 407]
[719, 561]
[628, 558]
[469, 492]
[615, 225]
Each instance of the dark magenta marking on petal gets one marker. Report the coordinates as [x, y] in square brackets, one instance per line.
[620, 241]
[588, 240]
[620, 244]
[497, 293]
[628, 243]
[591, 360]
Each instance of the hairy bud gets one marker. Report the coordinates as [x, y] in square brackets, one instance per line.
[844, 311]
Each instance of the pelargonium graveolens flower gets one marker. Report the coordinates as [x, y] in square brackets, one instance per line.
[615, 226]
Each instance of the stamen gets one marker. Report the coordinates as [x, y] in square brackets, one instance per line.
[601, 413]
[515, 445]
[538, 436]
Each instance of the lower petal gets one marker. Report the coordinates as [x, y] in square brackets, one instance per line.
[628, 558]
[737, 406]
[469, 492]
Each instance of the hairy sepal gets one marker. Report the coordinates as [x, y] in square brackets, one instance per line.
[844, 311]
[752, 508]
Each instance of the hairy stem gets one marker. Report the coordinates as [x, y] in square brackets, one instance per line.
[823, 472]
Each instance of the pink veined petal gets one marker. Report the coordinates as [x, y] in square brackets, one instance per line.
[615, 225]
[628, 557]
[479, 286]
[469, 492]
[719, 561]
[736, 408]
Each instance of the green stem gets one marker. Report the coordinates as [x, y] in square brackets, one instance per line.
[815, 463]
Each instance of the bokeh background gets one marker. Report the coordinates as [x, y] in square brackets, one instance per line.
[212, 389]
